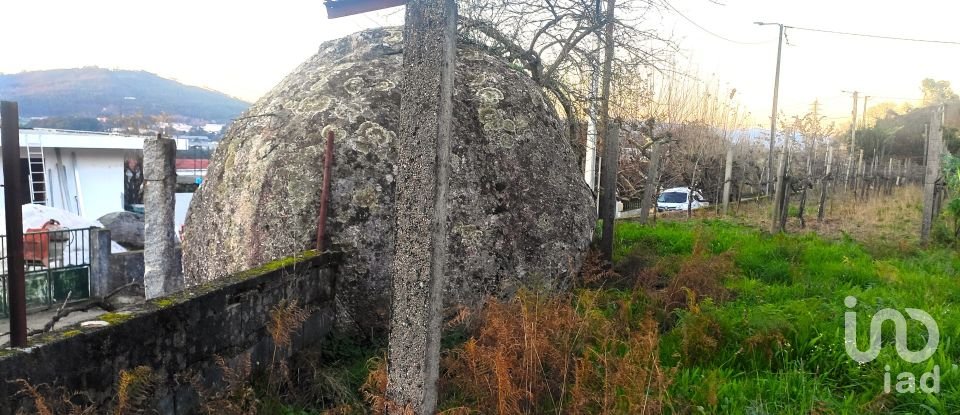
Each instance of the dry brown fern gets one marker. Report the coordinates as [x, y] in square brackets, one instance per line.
[285, 319]
[135, 391]
[236, 397]
[33, 392]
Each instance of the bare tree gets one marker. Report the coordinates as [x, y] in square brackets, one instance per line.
[557, 42]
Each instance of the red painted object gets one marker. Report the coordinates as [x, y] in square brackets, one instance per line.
[36, 242]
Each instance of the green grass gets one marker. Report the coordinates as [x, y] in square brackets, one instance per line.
[780, 343]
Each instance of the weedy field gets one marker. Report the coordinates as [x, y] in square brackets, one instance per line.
[695, 316]
[710, 316]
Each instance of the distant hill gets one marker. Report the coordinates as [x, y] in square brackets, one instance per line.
[93, 91]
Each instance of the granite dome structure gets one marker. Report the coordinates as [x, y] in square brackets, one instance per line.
[520, 212]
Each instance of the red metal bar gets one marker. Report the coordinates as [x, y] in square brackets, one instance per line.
[325, 193]
[343, 8]
[16, 274]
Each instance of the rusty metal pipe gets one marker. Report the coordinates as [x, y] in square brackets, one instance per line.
[12, 176]
[325, 192]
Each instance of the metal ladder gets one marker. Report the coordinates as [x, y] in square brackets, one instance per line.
[37, 168]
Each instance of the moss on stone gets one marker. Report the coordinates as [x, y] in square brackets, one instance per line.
[71, 333]
[115, 318]
[163, 302]
[6, 351]
[273, 266]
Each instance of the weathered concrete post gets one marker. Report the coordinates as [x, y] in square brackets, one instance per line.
[650, 187]
[888, 182]
[824, 184]
[727, 176]
[859, 179]
[611, 136]
[932, 173]
[423, 169]
[99, 262]
[160, 276]
[779, 188]
[900, 170]
[907, 168]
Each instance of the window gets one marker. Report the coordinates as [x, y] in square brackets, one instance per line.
[672, 197]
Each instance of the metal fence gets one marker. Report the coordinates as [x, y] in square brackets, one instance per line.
[57, 265]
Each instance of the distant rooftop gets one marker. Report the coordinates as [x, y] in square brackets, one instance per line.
[85, 139]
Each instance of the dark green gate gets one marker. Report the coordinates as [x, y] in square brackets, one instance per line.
[58, 266]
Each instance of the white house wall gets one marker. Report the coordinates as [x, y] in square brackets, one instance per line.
[101, 181]
[98, 160]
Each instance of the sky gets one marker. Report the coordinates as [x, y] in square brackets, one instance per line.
[818, 66]
[244, 48]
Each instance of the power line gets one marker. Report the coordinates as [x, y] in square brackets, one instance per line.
[905, 39]
[896, 98]
[666, 3]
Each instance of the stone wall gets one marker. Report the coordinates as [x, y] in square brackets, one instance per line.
[127, 267]
[177, 336]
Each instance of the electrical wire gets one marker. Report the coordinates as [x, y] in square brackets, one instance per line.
[905, 39]
[670, 6]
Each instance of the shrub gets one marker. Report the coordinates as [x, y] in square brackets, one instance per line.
[582, 354]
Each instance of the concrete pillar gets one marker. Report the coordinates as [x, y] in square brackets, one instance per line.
[160, 276]
[99, 262]
[824, 186]
[423, 169]
[608, 176]
[778, 192]
[932, 173]
[650, 187]
[727, 176]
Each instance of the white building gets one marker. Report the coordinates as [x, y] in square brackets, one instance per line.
[80, 172]
[213, 128]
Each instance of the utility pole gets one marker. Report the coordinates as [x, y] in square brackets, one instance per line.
[932, 172]
[778, 195]
[776, 96]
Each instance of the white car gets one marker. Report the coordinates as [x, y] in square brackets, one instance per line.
[678, 198]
